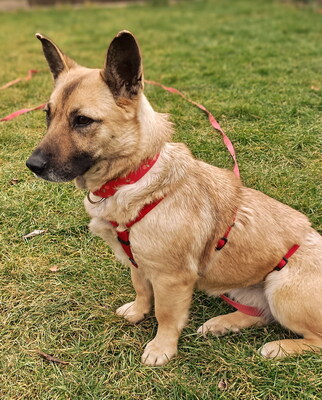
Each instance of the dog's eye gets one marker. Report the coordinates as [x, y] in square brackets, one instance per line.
[81, 120]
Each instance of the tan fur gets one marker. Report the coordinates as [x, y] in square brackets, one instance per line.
[174, 245]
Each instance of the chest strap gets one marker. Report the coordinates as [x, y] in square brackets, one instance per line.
[124, 236]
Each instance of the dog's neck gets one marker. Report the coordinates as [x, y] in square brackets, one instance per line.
[155, 131]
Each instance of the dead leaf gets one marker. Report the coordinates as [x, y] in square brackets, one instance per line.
[315, 88]
[14, 181]
[54, 268]
[35, 233]
[222, 385]
[50, 358]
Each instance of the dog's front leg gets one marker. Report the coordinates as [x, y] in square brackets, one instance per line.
[172, 301]
[136, 310]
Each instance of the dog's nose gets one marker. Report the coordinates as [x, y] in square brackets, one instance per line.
[36, 163]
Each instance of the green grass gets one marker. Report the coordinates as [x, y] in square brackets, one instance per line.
[253, 63]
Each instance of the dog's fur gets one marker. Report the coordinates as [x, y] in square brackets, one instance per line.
[174, 245]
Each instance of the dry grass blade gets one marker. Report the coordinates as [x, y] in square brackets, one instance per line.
[35, 233]
[50, 358]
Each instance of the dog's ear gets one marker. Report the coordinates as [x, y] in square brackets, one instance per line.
[58, 62]
[123, 70]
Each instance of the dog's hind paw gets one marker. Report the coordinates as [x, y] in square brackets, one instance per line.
[217, 327]
[130, 313]
[288, 347]
[271, 350]
[232, 322]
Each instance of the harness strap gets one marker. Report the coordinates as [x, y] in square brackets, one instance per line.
[124, 236]
[253, 311]
[284, 260]
[223, 241]
[249, 310]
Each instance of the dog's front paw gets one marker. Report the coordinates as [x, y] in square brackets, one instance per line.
[131, 313]
[156, 354]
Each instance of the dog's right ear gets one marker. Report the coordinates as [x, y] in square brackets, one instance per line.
[58, 62]
[123, 70]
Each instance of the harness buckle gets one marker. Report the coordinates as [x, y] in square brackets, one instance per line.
[221, 243]
[281, 264]
[125, 242]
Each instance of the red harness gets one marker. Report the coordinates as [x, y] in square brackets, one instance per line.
[110, 188]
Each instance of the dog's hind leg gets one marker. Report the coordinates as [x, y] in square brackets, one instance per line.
[302, 315]
[137, 310]
[232, 322]
[294, 296]
[253, 296]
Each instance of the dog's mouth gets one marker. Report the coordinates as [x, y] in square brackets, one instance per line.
[49, 168]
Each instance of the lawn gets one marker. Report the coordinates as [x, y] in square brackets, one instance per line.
[257, 65]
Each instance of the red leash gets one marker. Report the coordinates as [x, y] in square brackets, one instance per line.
[211, 119]
[19, 112]
[29, 75]
[15, 114]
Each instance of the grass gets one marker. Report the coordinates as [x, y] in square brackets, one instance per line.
[257, 66]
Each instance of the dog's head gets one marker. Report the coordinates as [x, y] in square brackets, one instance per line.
[92, 113]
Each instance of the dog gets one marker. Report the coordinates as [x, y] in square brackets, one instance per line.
[168, 215]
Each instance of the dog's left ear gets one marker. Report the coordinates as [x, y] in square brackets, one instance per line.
[123, 70]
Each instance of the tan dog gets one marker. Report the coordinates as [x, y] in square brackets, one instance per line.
[102, 127]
